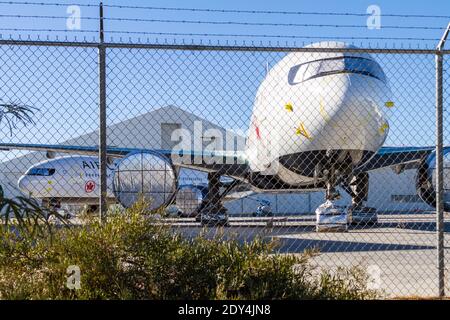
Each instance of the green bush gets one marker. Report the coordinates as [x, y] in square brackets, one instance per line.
[134, 256]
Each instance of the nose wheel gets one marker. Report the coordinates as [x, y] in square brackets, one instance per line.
[329, 216]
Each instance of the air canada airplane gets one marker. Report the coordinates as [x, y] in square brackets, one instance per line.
[319, 121]
[74, 179]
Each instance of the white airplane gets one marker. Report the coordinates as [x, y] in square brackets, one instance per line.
[319, 121]
[69, 179]
[74, 179]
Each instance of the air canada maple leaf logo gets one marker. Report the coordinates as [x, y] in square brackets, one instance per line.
[89, 186]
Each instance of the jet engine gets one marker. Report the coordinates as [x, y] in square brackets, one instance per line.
[146, 175]
[426, 180]
[189, 199]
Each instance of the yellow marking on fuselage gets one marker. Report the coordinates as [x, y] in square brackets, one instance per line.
[301, 130]
[389, 104]
[322, 111]
[383, 128]
[288, 106]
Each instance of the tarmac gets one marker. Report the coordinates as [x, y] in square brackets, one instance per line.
[399, 252]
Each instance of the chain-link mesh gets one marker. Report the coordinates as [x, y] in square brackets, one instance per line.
[330, 150]
[59, 86]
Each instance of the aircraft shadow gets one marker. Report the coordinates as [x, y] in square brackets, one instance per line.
[289, 245]
[291, 241]
[417, 226]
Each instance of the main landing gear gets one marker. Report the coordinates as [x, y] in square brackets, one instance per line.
[358, 213]
[212, 212]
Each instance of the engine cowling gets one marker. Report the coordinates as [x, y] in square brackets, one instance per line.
[189, 199]
[426, 180]
[147, 175]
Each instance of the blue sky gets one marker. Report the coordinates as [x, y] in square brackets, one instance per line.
[219, 86]
[439, 7]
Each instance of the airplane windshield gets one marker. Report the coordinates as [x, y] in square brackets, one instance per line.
[40, 172]
[319, 68]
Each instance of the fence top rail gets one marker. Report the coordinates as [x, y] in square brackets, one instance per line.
[196, 47]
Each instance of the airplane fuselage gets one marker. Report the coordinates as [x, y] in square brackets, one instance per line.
[72, 178]
[313, 108]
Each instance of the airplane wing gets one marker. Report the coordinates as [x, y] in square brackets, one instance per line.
[228, 163]
[81, 150]
[393, 156]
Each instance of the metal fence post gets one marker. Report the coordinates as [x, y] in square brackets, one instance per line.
[439, 166]
[102, 119]
[439, 177]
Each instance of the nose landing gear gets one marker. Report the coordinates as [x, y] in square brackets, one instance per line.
[331, 217]
[54, 204]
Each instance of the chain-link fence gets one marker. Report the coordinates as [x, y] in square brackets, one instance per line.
[328, 147]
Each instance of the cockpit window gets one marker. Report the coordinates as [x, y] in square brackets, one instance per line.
[41, 172]
[320, 68]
